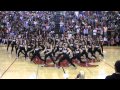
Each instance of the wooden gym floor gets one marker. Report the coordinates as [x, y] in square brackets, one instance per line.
[11, 68]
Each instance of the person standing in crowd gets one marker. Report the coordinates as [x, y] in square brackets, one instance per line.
[112, 41]
[117, 40]
[105, 31]
[106, 43]
[85, 31]
[94, 33]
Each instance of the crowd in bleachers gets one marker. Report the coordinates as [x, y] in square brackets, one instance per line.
[95, 23]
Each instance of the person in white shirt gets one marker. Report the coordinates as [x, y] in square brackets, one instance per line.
[94, 33]
[105, 41]
[69, 35]
[105, 31]
[101, 31]
[35, 22]
[85, 32]
[77, 27]
[47, 27]
[61, 23]
[77, 13]
[78, 30]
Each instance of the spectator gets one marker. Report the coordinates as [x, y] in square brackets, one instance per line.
[105, 41]
[81, 22]
[117, 40]
[112, 41]
[85, 32]
[115, 75]
[105, 31]
[94, 33]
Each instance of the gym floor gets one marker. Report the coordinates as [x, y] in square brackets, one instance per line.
[12, 68]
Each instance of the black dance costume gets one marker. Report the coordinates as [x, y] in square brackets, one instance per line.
[77, 55]
[21, 49]
[8, 43]
[13, 44]
[37, 51]
[29, 49]
[59, 49]
[84, 52]
[66, 56]
[97, 49]
[90, 50]
[0, 40]
[49, 53]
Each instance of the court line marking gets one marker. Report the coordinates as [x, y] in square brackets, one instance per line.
[109, 65]
[63, 70]
[8, 68]
[37, 71]
[89, 70]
